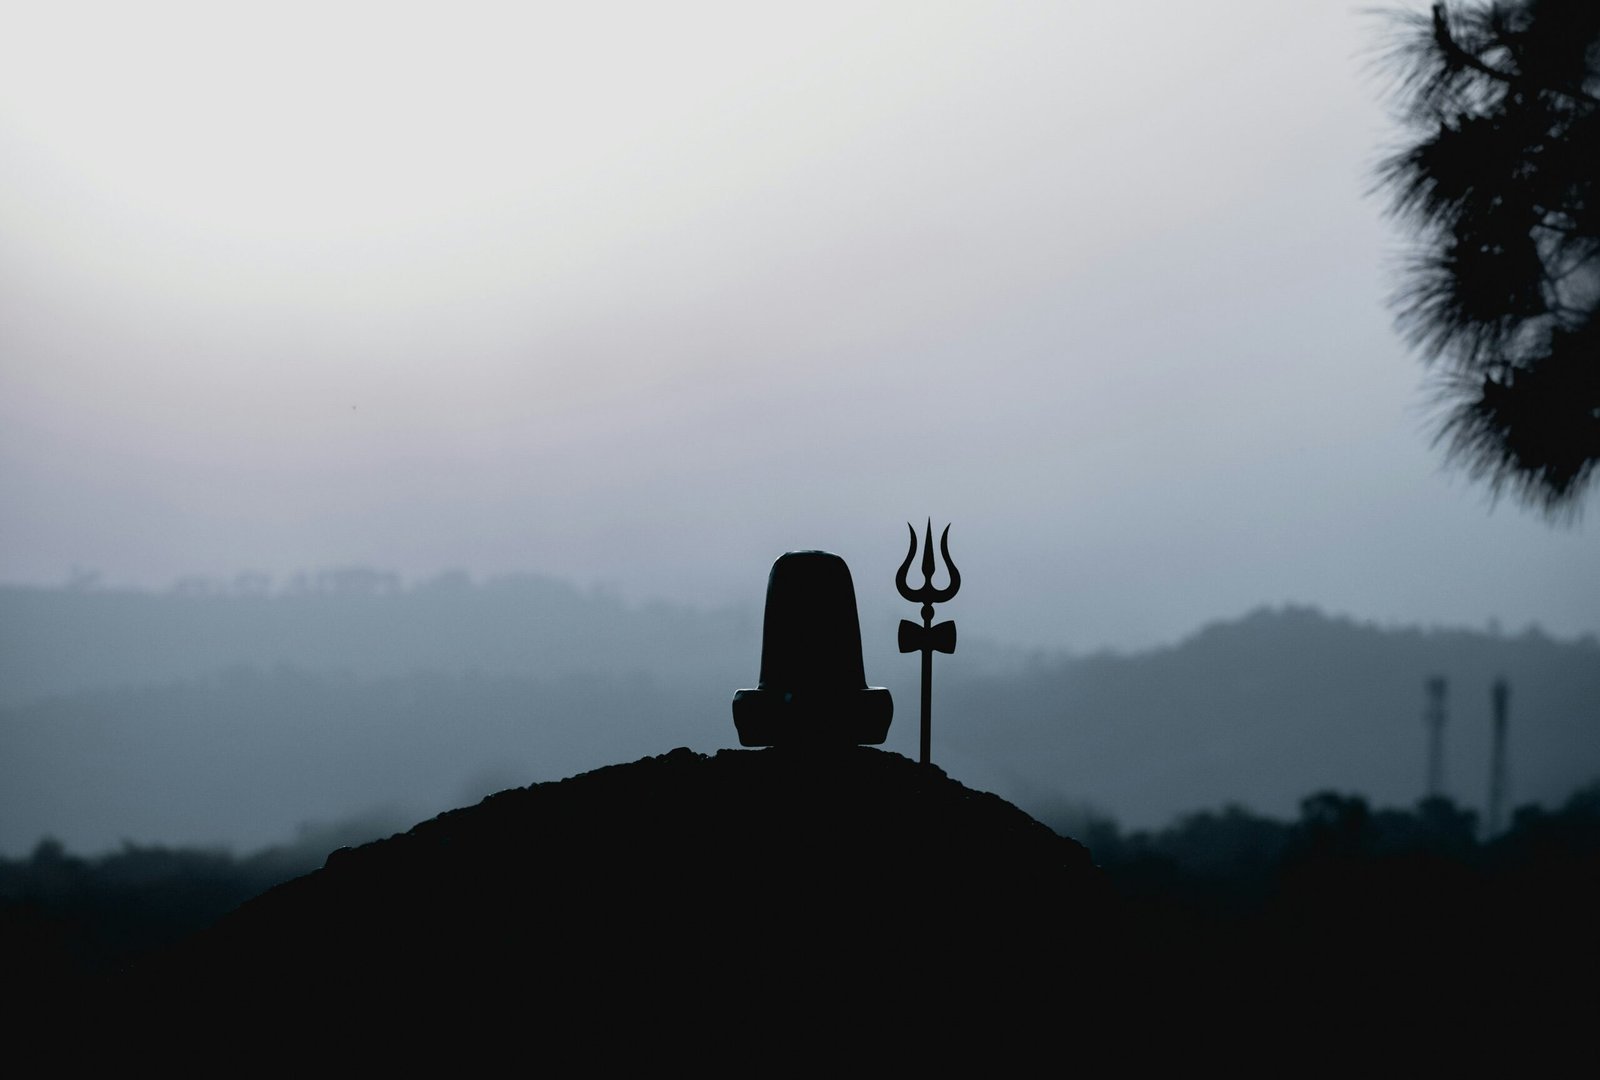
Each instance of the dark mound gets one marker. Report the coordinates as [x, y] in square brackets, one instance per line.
[742, 883]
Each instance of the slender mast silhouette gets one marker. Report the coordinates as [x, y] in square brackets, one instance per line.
[1500, 695]
[1434, 718]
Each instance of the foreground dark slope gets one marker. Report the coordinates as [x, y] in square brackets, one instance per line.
[770, 873]
[793, 904]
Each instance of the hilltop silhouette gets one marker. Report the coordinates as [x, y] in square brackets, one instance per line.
[798, 899]
[740, 884]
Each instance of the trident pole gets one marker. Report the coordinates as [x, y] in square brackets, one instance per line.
[927, 685]
[927, 638]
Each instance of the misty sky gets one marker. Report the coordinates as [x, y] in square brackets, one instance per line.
[645, 294]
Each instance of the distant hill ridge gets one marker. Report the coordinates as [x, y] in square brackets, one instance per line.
[63, 640]
[205, 718]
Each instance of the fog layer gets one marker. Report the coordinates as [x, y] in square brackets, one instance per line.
[645, 296]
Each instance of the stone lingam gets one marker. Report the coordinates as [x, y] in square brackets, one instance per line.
[813, 689]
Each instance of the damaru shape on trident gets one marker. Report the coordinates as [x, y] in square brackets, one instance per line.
[813, 688]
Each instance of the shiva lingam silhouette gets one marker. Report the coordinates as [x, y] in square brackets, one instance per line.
[813, 688]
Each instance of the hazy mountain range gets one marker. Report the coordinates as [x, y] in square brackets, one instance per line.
[231, 716]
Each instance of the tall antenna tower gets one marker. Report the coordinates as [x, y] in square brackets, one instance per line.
[1501, 694]
[1434, 718]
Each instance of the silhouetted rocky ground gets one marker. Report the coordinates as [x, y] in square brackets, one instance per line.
[739, 888]
[799, 897]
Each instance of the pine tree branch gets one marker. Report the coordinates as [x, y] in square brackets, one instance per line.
[1457, 53]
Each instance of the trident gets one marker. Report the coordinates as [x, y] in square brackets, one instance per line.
[927, 638]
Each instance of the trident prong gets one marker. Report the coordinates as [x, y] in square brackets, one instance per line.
[927, 638]
[928, 595]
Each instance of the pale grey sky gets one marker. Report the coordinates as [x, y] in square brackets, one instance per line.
[645, 294]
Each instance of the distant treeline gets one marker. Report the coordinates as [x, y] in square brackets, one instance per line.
[1369, 919]
[1342, 875]
[1233, 864]
[325, 581]
[64, 916]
